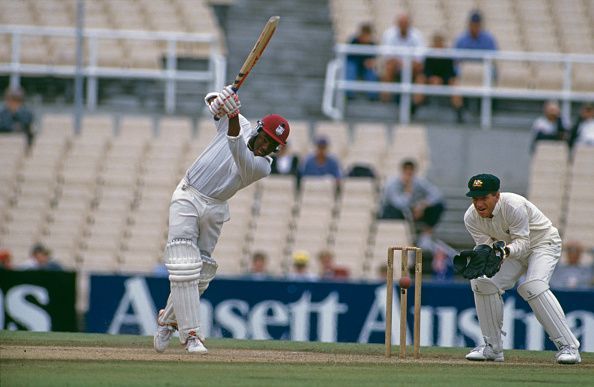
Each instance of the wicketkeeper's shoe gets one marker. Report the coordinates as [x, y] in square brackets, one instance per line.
[195, 345]
[568, 355]
[162, 335]
[484, 352]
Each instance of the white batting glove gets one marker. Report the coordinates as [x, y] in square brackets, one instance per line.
[214, 107]
[229, 101]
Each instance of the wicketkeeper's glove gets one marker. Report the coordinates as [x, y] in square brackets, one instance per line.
[475, 263]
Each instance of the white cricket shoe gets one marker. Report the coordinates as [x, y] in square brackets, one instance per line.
[195, 345]
[484, 352]
[162, 335]
[568, 355]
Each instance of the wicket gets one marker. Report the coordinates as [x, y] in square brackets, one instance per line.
[403, 301]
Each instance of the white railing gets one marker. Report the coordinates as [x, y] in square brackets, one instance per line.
[214, 75]
[333, 101]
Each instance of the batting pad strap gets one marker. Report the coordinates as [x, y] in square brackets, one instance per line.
[484, 286]
[532, 289]
[184, 272]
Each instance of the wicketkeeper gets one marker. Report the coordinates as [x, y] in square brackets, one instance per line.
[513, 238]
[237, 156]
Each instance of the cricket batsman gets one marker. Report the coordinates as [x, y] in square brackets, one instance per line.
[237, 156]
[513, 238]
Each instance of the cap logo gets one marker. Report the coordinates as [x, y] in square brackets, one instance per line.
[279, 130]
[477, 183]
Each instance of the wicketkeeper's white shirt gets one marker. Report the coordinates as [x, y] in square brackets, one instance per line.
[516, 221]
[227, 165]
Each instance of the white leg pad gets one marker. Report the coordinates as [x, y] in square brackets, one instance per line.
[208, 272]
[549, 313]
[489, 309]
[184, 264]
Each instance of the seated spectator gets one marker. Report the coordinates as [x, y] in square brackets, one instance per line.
[441, 259]
[300, 270]
[5, 260]
[258, 270]
[441, 71]
[329, 269]
[549, 126]
[41, 259]
[285, 162]
[572, 274]
[475, 37]
[402, 34]
[583, 130]
[413, 198]
[320, 163]
[15, 116]
[359, 66]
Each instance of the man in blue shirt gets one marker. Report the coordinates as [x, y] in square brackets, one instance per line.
[475, 38]
[320, 163]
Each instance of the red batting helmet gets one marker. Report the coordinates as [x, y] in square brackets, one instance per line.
[276, 127]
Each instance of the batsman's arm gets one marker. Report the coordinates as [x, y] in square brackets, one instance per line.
[234, 127]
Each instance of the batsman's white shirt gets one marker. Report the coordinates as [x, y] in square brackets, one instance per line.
[227, 165]
[199, 206]
[534, 244]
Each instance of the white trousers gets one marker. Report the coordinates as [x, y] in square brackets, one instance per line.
[196, 217]
[538, 265]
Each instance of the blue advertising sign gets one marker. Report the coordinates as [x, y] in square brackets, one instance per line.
[328, 312]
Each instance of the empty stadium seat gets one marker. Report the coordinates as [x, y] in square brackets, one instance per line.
[389, 233]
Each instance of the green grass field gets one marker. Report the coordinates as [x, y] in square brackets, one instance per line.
[76, 359]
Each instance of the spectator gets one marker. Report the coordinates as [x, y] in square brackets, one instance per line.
[41, 259]
[5, 260]
[572, 274]
[300, 271]
[441, 71]
[285, 162]
[402, 34]
[475, 38]
[415, 199]
[583, 130]
[15, 116]
[441, 259]
[258, 269]
[320, 163]
[361, 66]
[328, 268]
[549, 126]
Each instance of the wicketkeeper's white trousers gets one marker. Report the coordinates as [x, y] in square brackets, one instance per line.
[538, 265]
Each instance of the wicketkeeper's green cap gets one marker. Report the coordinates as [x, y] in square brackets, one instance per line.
[482, 185]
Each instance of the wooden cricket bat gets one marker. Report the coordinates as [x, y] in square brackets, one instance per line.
[256, 52]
